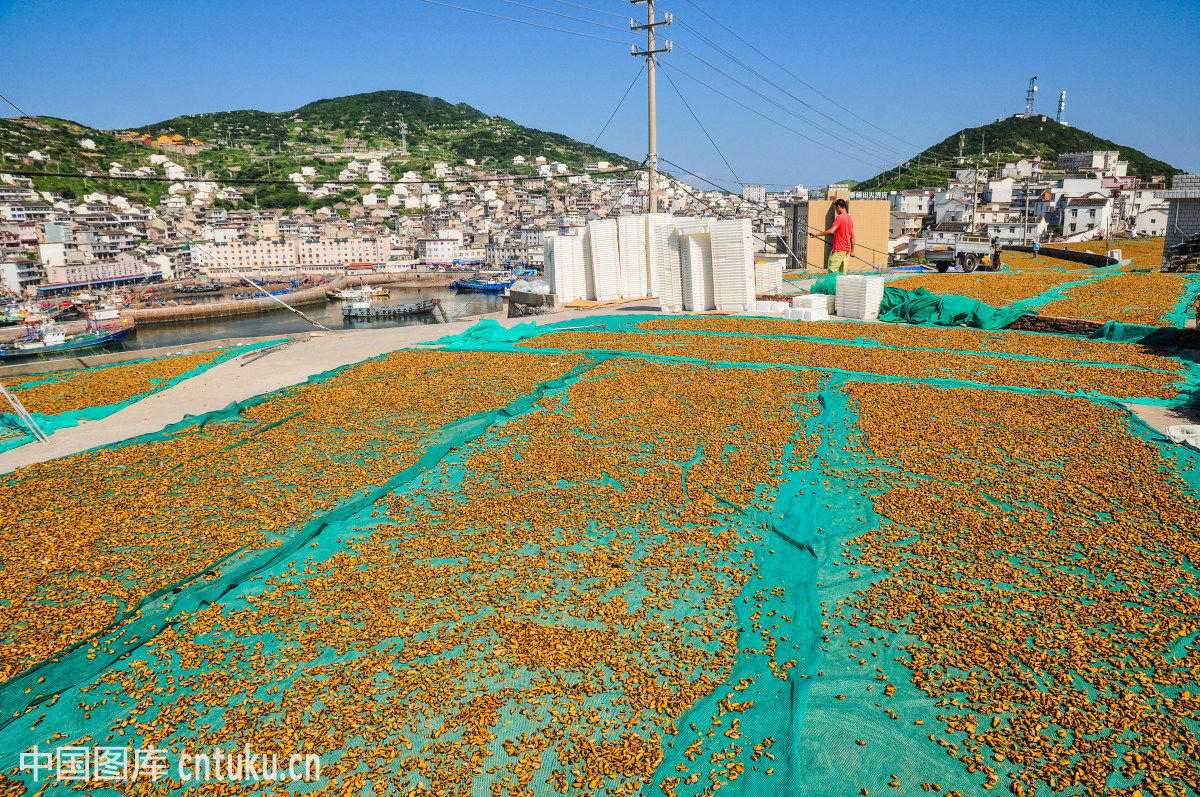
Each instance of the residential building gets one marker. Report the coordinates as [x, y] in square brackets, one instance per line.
[1106, 163]
[441, 249]
[18, 276]
[905, 224]
[82, 272]
[1086, 213]
[1183, 214]
[754, 193]
[919, 201]
[1152, 221]
[1017, 232]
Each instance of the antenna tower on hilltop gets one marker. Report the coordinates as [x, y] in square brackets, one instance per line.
[1030, 96]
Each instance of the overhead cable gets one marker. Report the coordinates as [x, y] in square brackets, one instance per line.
[794, 76]
[527, 22]
[772, 120]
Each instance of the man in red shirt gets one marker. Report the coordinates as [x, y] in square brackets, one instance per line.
[843, 238]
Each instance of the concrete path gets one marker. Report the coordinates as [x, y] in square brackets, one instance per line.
[231, 381]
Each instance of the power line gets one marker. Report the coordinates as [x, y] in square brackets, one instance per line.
[772, 83]
[565, 16]
[13, 104]
[702, 127]
[861, 147]
[796, 77]
[772, 120]
[593, 10]
[526, 22]
[620, 102]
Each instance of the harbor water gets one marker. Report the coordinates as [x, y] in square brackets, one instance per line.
[281, 322]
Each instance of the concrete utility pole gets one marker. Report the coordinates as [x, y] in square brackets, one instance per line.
[1025, 221]
[651, 55]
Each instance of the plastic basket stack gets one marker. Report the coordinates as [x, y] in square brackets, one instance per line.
[566, 267]
[696, 265]
[732, 265]
[768, 277]
[604, 261]
[666, 279]
[810, 307]
[634, 256]
[859, 296]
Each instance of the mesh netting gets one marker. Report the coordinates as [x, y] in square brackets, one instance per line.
[65, 398]
[496, 569]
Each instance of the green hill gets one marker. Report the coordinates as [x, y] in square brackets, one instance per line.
[436, 130]
[253, 144]
[1008, 139]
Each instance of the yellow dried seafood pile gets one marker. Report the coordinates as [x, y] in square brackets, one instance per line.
[97, 387]
[94, 533]
[530, 617]
[985, 369]
[1148, 299]
[980, 341]
[997, 290]
[1043, 560]
[1145, 252]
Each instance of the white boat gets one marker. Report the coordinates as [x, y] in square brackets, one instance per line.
[358, 294]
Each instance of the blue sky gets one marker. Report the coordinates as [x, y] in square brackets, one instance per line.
[917, 71]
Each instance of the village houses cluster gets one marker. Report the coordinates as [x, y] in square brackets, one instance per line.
[468, 215]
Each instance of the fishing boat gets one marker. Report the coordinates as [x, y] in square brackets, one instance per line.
[358, 294]
[476, 285]
[364, 308]
[21, 314]
[47, 337]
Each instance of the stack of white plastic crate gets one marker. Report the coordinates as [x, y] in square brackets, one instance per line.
[859, 296]
[632, 244]
[770, 307]
[732, 265]
[603, 260]
[696, 264]
[566, 267]
[809, 307]
[666, 278]
[768, 276]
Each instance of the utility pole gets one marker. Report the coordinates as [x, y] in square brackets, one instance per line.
[1025, 221]
[651, 56]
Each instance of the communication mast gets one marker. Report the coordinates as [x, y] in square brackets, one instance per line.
[1062, 107]
[1031, 96]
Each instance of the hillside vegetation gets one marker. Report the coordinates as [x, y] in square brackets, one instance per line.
[1004, 140]
[252, 144]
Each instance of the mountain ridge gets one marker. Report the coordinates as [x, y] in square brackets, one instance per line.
[250, 144]
[1007, 139]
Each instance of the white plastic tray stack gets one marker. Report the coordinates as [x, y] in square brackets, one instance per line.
[566, 267]
[666, 277]
[732, 265]
[859, 296]
[696, 264]
[770, 308]
[634, 253]
[603, 261]
[768, 277]
[809, 307]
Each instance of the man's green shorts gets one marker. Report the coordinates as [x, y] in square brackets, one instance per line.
[838, 262]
